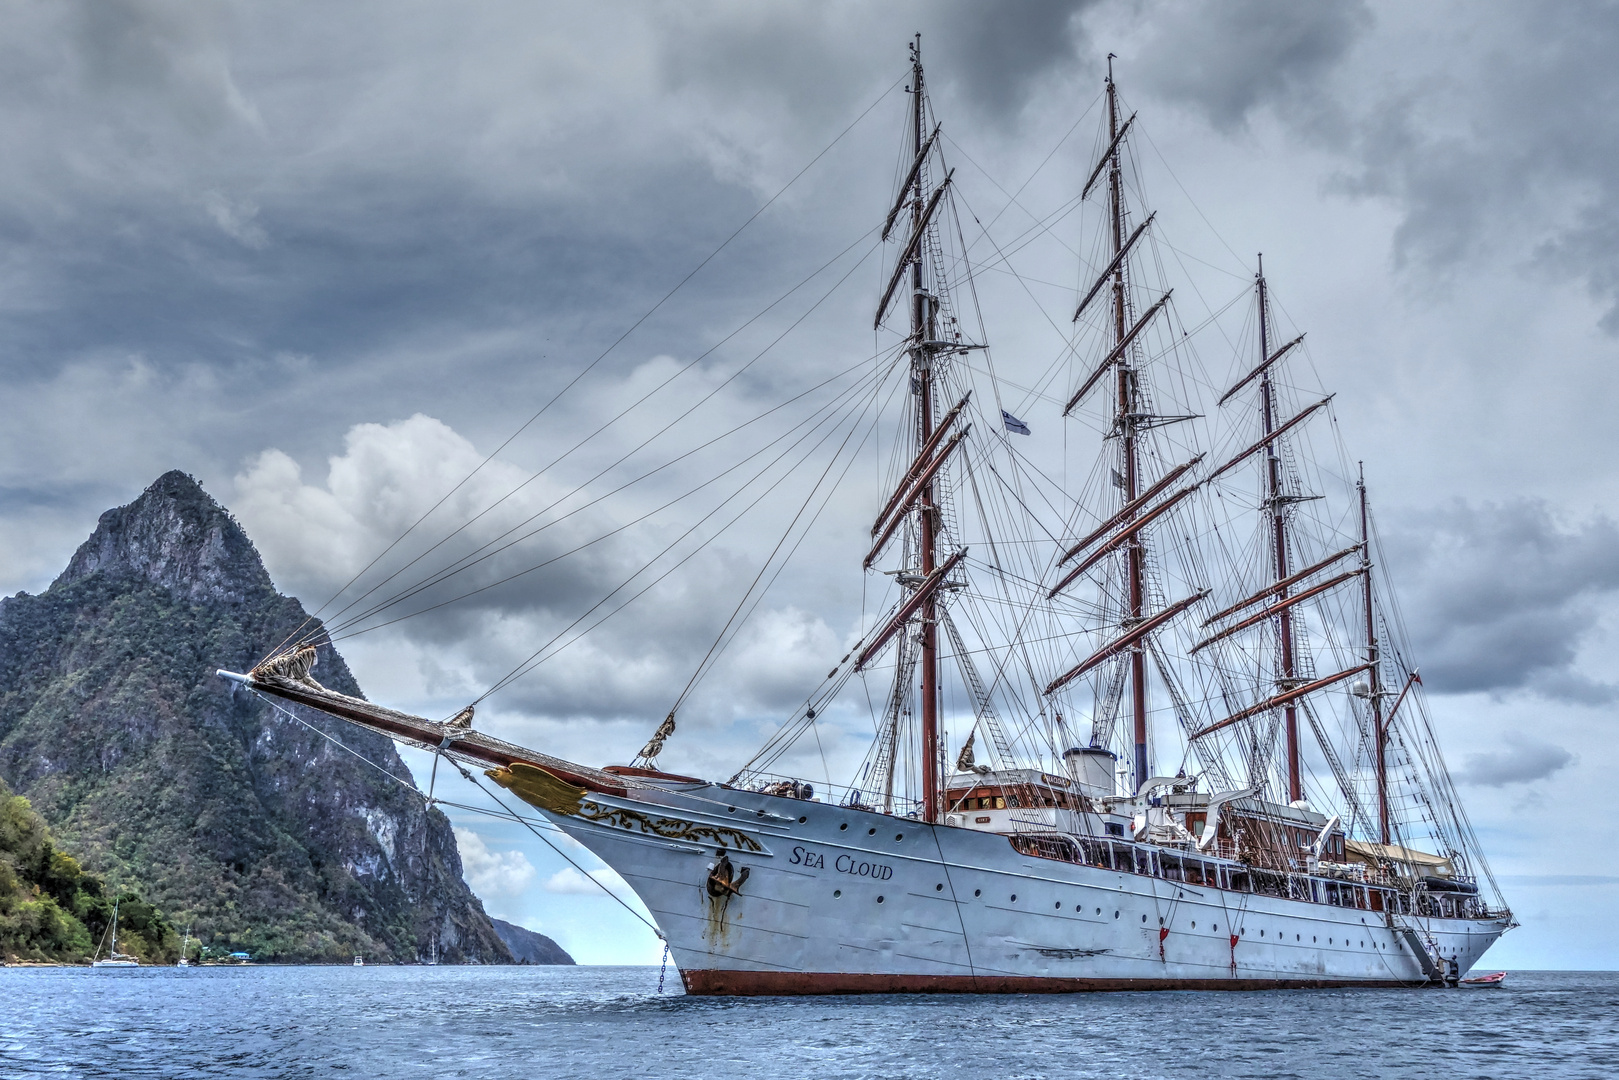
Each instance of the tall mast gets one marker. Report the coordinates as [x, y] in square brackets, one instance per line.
[1287, 677]
[1124, 420]
[923, 309]
[1379, 736]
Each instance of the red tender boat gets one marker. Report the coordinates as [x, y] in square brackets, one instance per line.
[1487, 980]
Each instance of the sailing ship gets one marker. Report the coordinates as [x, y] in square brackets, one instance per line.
[1207, 762]
[115, 959]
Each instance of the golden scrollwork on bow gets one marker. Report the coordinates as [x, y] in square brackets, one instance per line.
[548, 792]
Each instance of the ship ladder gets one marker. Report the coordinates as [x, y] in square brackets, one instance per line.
[1414, 943]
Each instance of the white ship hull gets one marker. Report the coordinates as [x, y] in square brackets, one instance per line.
[849, 901]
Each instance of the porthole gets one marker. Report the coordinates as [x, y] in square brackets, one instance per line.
[1329, 941]
[836, 893]
[1298, 937]
[1143, 918]
[939, 887]
[1014, 898]
[978, 892]
[1216, 926]
[1160, 920]
[801, 820]
[1363, 944]
[1194, 924]
[843, 826]
[1313, 939]
[871, 832]
[1115, 914]
[730, 809]
[1059, 905]
[899, 836]
[1099, 911]
[1262, 933]
[879, 899]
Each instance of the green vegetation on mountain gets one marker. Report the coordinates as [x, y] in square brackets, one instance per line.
[50, 909]
[164, 780]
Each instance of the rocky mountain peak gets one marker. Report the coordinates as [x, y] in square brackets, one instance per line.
[249, 821]
[175, 535]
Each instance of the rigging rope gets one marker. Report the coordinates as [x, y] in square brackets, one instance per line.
[429, 801]
[347, 631]
[716, 649]
[536, 658]
[603, 355]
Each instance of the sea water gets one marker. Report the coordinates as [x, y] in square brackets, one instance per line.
[541, 1023]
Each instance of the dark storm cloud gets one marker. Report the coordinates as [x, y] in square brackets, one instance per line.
[1502, 597]
[1522, 761]
[820, 59]
[1227, 58]
[1490, 128]
[159, 206]
[228, 228]
[999, 53]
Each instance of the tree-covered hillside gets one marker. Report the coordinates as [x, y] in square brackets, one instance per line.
[50, 909]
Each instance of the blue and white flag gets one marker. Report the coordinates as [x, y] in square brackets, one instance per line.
[1013, 424]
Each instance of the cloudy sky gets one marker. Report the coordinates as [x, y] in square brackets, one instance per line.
[329, 259]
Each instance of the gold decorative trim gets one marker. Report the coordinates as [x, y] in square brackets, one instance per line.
[544, 790]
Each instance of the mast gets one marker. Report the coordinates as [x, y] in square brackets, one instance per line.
[1287, 677]
[1124, 419]
[1379, 735]
[923, 309]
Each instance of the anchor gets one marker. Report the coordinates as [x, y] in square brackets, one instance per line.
[724, 880]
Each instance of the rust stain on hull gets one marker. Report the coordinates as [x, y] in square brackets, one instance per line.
[717, 931]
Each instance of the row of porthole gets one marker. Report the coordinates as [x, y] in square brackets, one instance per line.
[1213, 928]
[841, 827]
[979, 892]
[869, 832]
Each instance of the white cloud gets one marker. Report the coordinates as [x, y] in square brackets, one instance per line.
[315, 536]
[318, 535]
[492, 873]
[569, 881]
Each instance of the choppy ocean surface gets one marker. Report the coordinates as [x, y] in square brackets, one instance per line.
[610, 1023]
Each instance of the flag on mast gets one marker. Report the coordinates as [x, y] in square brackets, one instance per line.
[1013, 424]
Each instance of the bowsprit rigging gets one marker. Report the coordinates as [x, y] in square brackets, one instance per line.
[1156, 728]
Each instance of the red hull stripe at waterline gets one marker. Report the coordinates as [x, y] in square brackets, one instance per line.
[716, 983]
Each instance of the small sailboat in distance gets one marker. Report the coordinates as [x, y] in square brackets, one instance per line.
[184, 945]
[115, 959]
